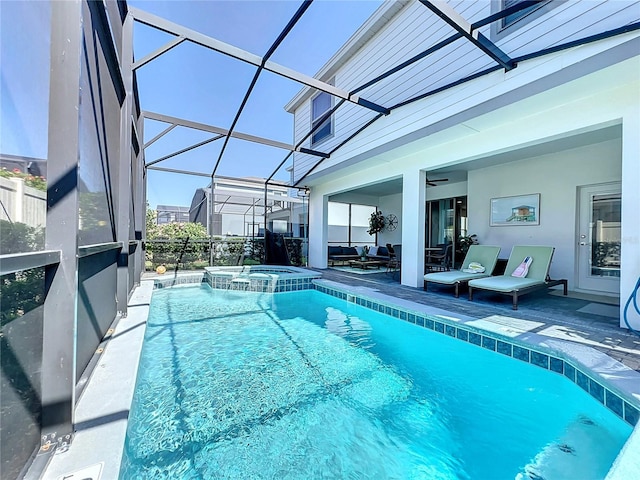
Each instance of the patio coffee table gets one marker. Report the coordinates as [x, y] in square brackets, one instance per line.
[364, 264]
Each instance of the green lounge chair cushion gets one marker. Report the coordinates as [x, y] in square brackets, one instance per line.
[486, 255]
[539, 268]
[503, 283]
[537, 275]
[453, 277]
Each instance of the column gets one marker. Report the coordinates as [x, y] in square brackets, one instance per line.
[318, 229]
[123, 165]
[630, 248]
[61, 283]
[412, 221]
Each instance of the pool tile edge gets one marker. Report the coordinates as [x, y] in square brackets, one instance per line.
[597, 371]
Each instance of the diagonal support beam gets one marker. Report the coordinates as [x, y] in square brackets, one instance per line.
[184, 150]
[160, 135]
[221, 131]
[455, 20]
[173, 43]
[242, 55]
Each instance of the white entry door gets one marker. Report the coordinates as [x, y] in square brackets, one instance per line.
[599, 238]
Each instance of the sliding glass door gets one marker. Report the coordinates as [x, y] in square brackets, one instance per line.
[446, 221]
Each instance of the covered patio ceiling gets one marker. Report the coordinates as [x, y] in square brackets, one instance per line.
[459, 30]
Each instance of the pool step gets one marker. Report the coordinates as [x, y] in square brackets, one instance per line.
[571, 455]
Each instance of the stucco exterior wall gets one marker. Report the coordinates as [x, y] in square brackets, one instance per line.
[556, 178]
[391, 204]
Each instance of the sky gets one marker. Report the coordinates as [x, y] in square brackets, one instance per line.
[189, 81]
[24, 78]
[195, 83]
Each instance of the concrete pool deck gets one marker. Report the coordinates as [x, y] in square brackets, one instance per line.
[102, 411]
[103, 408]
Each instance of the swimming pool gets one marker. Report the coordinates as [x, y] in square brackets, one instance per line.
[305, 385]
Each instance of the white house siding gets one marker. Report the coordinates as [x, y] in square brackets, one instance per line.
[424, 118]
[566, 22]
[414, 29]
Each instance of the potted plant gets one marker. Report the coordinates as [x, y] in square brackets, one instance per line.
[376, 222]
[465, 241]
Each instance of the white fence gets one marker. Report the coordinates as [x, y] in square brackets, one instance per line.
[23, 204]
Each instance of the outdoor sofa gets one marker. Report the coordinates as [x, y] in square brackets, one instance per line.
[485, 255]
[537, 277]
[379, 253]
[342, 254]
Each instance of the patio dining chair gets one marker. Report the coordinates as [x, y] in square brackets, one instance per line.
[391, 250]
[395, 261]
[439, 261]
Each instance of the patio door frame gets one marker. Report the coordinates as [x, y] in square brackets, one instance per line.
[459, 226]
[585, 280]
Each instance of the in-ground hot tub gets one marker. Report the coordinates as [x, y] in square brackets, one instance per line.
[260, 278]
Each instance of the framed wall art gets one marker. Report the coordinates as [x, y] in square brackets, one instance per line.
[516, 210]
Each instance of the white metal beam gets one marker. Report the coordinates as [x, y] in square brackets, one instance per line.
[172, 28]
[220, 131]
[160, 135]
[173, 43]
[184, 150]
[185, 172]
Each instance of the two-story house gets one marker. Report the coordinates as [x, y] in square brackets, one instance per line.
[237, 207]
[539, 108]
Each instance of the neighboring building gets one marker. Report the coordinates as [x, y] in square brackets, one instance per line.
[238, 207]
[33, 166]
[23, 196]
[563, 124]
[171, 214]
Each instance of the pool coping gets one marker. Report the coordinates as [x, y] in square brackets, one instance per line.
[103, 409]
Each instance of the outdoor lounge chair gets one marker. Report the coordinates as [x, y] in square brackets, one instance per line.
[536, 278]
[485, 255]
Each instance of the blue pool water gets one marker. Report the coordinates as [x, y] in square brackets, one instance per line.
[302, 385]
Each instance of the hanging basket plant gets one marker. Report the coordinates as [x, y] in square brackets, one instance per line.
[376, 222]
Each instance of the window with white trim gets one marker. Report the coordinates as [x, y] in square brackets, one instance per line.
[321, 104]
[514, 17]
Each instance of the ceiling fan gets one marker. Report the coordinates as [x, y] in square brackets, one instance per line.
[432, 183]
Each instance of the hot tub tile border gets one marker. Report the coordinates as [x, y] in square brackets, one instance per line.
[226, 281]
[171, 281]
[535, 356]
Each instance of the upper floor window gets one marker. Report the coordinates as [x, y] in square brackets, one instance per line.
[321, 104]
[514, 17]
